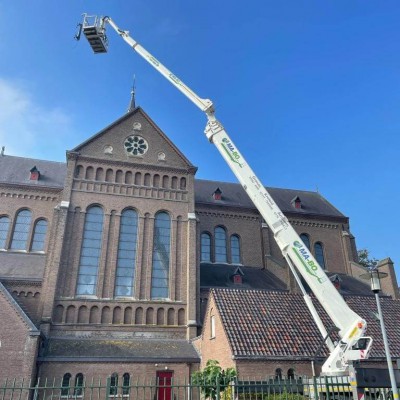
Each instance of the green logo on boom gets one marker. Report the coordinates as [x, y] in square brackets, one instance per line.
[309, 265]
[230, 150]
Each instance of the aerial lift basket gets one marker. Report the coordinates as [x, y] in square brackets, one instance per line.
[94, 30]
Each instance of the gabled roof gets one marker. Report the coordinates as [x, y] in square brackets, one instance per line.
[16, 170]
[264, 324]
[128, 115]
[150, 350]
[233, 195]
[220, 275]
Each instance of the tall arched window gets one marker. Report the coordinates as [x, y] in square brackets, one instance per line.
[220, 244]
[4, 226]
[126, 261]
[21, 230]
[126, 381]
[113, 390]
[90, 253]
[161, 256]
[306, 240]
[290, 373]
[235, 249]
[39, 235]
[319, 254]
[65, 384]
[205, 247]
[78, 391]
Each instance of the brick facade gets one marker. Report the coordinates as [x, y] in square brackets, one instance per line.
[102, 173]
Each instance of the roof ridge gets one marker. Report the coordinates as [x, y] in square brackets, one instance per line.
[33, 159]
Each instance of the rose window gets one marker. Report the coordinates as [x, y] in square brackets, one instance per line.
[136, 145]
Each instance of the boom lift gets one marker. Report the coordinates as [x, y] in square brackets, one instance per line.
[352, 346]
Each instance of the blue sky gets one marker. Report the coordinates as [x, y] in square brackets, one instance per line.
[308, 90]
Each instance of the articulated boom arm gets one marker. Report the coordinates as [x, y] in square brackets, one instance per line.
[351, 326]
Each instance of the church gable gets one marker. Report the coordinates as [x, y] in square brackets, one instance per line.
[134, 138]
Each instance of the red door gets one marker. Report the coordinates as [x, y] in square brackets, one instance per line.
[164, 381]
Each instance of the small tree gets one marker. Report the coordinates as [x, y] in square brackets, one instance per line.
[213, 380]
[365, 260]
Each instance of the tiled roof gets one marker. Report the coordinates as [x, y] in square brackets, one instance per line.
[125, 349]
[16, 170]
[233, 195]
[266, 324]
[220, 275]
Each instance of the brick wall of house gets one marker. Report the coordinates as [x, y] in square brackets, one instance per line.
[18, 348]
[214, 347]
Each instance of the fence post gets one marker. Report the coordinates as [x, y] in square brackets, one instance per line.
[315, 387]
[218, 388]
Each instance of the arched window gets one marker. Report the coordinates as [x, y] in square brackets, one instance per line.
[235, 249]
[319, 254]
[290, 374]
[4, 226]
[306, 240]
[39, 235]
[21, 230]
[220, 244]
[90, 253]
[113, 391]
[126, 381]
[161, 256]
[126, 261]
[65, 384]
[78, 391]
[205, 247]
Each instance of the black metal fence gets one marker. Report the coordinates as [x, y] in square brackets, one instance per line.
[324, 388]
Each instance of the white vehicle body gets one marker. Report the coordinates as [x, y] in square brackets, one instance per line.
[351, 326]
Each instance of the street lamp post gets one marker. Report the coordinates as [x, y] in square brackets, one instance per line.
[374, 275]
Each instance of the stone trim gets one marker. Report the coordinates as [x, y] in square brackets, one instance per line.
[31, 188]
[228, 215]
[132, 165]
[28, 196]
[314, 224]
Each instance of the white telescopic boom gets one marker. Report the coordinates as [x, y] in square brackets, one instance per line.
[351, 325]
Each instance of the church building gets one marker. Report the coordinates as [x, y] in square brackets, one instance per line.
[121, 263]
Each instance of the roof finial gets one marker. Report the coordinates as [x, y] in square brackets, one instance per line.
[132, 104]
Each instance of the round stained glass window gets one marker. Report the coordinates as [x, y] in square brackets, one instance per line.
[136, 145]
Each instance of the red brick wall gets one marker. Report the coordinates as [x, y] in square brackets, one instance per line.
[18, 349]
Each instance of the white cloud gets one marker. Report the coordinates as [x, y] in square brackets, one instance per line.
[28, 128]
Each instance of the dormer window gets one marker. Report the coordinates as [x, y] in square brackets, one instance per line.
[217, 195]
[35, 174]
[337, 281]
[237, 276]
[296, 202]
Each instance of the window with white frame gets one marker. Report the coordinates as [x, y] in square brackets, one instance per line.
[212, 326]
